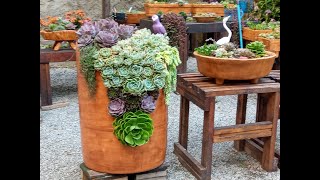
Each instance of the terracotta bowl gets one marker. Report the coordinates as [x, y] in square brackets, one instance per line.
[64, 35]
[235, 69]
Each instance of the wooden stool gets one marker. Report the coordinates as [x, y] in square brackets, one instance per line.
[159, 173]
[202, 91]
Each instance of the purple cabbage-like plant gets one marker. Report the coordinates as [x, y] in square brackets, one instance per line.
[125, 31]
[70, 26]
[106, 39]
[117, 107]
[106, 24]
[88, 28]
[85, 40]
[148, 103]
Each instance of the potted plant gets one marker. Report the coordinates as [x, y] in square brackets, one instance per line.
[271, 40]
[151, 8]
[227, 62]
[205, 17]
[133, 17]
[253, 29]
[124, 82]
[63, 29]
[203, 7]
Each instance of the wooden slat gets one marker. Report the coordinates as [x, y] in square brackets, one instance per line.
[188, 161]
[190, 75]
[49, 55]
[192, 97]
[242, 128]
[240, 89]
[242, 135]
[260, 143]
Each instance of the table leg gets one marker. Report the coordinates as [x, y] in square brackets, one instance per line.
[207, 139]
[183, 53]
[269, 113]
[184, 122]
[241, 118]
[45, 87]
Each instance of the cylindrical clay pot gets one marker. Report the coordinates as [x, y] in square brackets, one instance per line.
[101, 149]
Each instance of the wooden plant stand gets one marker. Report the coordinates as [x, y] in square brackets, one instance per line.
[69, 36]
[202, 91]
[159, 173]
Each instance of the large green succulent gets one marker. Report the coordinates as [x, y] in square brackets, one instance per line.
[133, 128]
[257, 48]
[144, 62]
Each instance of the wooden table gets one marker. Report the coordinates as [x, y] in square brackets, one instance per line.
[202, 91]
[192, 27]
[47, 56]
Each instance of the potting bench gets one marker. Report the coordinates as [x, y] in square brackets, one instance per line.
[202, 91]
[47, 56]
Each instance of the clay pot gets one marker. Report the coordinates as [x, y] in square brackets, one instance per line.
[64, 35]
[101, 149]
[235, 69]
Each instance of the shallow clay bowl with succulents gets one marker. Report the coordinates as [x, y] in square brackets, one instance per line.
[63, 35]
[204, 19]
[235, 69]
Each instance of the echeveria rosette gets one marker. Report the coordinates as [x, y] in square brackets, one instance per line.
[147, 71]
[136, 70]
[159, 66]
[124, 72]
[117, 81]
[148, 85]
[88, 28]
[116, 107]
[107, 72]
[106, 39]
[125, 31]
[148, 104]
[106, 24]
[105, 52]
[133, 86]
[133, 128]
[159, 81]
[107, 83]
[85, 40]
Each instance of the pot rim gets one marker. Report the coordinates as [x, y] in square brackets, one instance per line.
[272, 55]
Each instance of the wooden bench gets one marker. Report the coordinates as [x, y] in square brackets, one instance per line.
[47, 56]
[202, 91]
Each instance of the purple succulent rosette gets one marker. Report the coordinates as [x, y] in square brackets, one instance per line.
[148, 104]
[117, 107]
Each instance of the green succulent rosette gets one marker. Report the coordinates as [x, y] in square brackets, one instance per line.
[148, 85]
[107, 72]
[133, 86]
[158, 66]
[133, 128]
[99, 64]
[159, 81]
[124, 72]
[147, 71]
[116, 81]
[136, 70]
[105, 52]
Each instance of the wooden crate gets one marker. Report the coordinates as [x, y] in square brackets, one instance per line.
[208, 8]
[271, 44]
[134, 18]
[252, 35]
[152, 9]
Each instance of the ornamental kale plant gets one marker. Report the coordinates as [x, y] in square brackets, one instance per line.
[142, 63]
[133, 128]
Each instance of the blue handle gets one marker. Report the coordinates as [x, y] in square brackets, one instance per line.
[239, 23]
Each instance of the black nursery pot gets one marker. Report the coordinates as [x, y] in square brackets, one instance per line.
[119, 16]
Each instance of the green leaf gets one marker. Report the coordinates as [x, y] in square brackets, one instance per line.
[139, 142]
[129, 139]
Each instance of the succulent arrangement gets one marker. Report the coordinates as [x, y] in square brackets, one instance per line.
[96, 35]
[205, 15]
[73, 20]
[273, 35]
[134, 66]
[254, 49]
[263, 25]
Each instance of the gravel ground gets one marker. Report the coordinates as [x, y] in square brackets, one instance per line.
[60, 148]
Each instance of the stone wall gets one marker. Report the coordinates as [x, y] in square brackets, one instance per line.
[93, 8]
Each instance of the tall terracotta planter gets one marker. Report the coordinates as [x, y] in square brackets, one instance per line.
[101, 150]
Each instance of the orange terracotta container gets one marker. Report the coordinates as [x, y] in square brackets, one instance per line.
[272, 45]
[235, 69]
[152, 9]
[59, 36]
[252, 35]
[101, 150]
[208, 8]
[134, 18]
